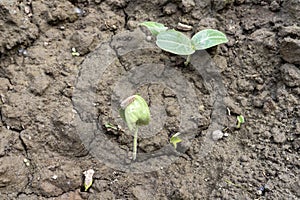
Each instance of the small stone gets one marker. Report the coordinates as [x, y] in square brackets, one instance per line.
[298, 128]
[148, 38]
[54, 177]
[290, 75]
[188, 5]
[170, 9]
[278, 136]
[259, 192]
[274, 6]
[78, 11]
[269, 106]
[244, 158]
[217, 135]
[132, 24]
[290, 50]
[269, 186]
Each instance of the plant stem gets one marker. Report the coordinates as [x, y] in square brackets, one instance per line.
[188, 60]
[135, 143]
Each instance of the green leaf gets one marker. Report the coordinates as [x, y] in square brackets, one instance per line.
[87, 186]
[135, 112]
[240, 120]
[175, 42]
[175, 139]
[208, 38]
[154, 27]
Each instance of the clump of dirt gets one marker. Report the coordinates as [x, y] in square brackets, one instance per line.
[43, 152]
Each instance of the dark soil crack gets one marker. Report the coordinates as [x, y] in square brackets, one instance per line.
[126, 18]
[116, 52]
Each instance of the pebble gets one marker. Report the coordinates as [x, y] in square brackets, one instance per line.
[274, 6]
[188, 5]
[290, 50]
[217, 135]
[78, 11]
[244, 158]
[148, 38]
[170, 9]
[259, 192]
[278, 135]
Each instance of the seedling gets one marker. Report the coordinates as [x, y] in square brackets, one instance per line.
[111, 126]
[74, 52]
[88, 179]
[135, 112]
[240, 120]
[175, 139]
[178, 43]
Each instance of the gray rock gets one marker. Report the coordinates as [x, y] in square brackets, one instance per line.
[274, 6]
[170, 9]
[290, 75]
[217, 135]
[244, 158]
[188, 5]
[290, 50]
[278, 136]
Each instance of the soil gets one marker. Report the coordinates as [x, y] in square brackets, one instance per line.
[65, 66]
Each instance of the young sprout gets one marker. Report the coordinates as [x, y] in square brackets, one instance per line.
[88, 179]
[175, 139]
[74, 52]
[111, 126]
[178, 43]
[135, 112]
[240, 120]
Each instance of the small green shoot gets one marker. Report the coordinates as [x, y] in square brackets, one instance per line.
[135, 112]
[88, 179]
[111, 126]
[240, 120]
[74, 52]
[175, 139]
[178, 43]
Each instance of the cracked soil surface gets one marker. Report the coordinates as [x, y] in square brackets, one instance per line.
[42, 155]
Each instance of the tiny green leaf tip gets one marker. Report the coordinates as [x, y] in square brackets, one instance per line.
[175, 139]
[240, 120]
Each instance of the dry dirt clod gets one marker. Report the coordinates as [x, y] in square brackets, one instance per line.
[290, 50]
[290, 75]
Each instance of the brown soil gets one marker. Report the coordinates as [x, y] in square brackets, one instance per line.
[55, 105]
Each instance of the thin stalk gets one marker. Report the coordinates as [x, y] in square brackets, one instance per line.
[135, 137]
[188, 60]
